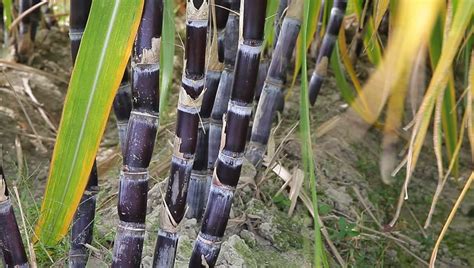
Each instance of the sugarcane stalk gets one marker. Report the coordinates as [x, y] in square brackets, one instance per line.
[200, 177]
[236, 122]
[13, 250]
[83, 221]
[189, 105]
[319, 27]
[322, 62]
[225, 84]
[222, 14]
[274, 84]
[141, 135]
[265, 62]
[123, 107]
[278, 20]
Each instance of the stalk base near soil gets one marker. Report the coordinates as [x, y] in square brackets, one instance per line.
[167, 244]
[82, 227]
[130, 237]
[12, 246]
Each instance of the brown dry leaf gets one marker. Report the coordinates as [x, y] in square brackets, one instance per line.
[295, 189]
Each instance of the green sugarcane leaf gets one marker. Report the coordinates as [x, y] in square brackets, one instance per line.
[7, 13]
[312, 23]
[101, 61]
[270, 17]
[306, 144]
[371, 40]
[448, 116]
[437, 86]
[341, 82]
[167, 54]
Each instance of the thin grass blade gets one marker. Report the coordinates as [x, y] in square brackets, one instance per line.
[305, 132]
[312, 24]
[436, 87]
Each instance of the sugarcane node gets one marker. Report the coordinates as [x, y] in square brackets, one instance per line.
[168, 223]
[208, 239]
[197, 10]
[277, 83]
[205, 241]
[151, 55]
[295, 9]
[187, 101]
[322, 67]
[216, 182]
[223, 133]
[177, 148]
[75, 34]
[132, 227]
[92, 191]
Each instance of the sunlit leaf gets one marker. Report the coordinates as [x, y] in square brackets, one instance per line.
[101, 61]
[313, 13]
[306, 144]
[436, 87]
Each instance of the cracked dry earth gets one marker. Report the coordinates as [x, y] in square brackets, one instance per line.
[354, 203]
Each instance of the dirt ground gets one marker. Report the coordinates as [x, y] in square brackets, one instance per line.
[354, 203]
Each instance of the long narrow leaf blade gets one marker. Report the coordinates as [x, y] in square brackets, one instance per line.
[269, 30]
[167, 53]
[320, 259]
[101, 61]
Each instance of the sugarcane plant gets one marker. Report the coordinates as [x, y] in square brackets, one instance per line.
[141, 135]
[189, 104]
[11, 244]
[322, 62]
[269, 48]
[236, 121]
[274, 83]
[224, 89]
[200, 176]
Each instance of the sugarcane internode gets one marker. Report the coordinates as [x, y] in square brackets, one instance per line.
[322, 61]
[140, 138]
[189, 104]
[11, 244]
[231, 38]
[274, 83]
[200, 177]
[235, 125]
